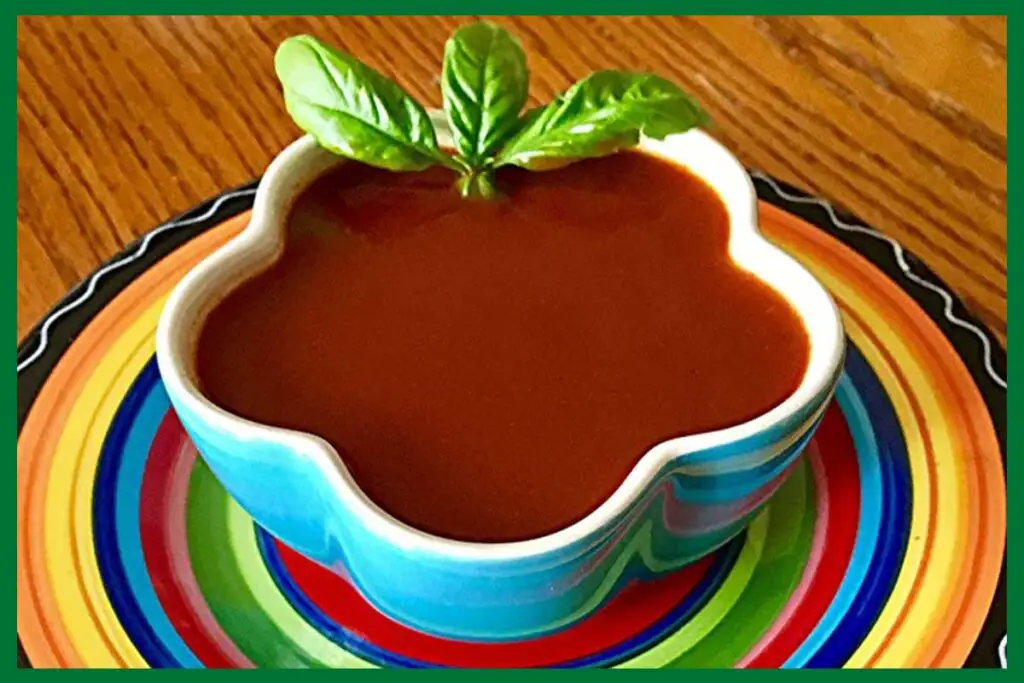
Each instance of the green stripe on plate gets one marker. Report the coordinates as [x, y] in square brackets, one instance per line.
[724, 617]
[239, 590]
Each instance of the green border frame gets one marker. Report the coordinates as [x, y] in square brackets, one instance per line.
[523, 7]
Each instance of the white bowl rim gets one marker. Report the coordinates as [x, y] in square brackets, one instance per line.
[695, 150]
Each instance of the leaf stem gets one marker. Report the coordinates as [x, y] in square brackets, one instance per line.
[477, 184]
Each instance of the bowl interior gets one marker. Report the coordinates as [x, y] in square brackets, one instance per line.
[261, 243]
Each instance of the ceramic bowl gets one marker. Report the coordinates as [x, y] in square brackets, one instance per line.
[683, 499]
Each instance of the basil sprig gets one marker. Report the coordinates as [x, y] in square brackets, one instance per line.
[358, 113]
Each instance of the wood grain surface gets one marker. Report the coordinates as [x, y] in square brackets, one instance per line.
[126, 121]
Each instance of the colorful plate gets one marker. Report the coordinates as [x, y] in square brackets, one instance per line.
[885, 548]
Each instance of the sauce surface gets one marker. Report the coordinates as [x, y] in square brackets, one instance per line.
[492, 371]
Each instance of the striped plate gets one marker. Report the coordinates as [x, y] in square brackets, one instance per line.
[885, 548]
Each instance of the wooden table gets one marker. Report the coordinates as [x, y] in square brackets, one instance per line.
[124, 122]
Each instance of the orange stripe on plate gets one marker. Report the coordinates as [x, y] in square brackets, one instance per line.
[946, 383]
[40, 626]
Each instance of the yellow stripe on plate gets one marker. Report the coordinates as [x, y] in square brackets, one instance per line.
[89, 618]
[913, 611]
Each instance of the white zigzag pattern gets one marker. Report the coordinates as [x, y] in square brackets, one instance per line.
[897, 249]
[90, 289]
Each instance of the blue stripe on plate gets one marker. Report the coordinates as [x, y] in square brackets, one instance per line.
[897, 493]
[116, 505]
[883, 525]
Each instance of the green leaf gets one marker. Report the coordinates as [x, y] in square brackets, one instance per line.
[484, 82]
[354, 111]
[602, 114]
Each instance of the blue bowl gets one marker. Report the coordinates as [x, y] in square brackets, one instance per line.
[683, 499]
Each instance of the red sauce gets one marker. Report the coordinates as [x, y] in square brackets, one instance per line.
[492, 371]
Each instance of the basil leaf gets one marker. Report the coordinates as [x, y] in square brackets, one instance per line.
[484, 83]
[352, 110]
[600, 115]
